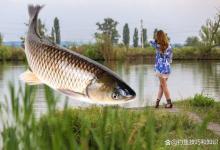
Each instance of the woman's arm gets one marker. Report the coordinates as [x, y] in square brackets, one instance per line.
[169, 54]
[153, 43]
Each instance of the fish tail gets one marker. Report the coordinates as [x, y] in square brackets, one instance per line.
[34, 11]
[33, 14]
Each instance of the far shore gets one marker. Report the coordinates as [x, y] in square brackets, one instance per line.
[8, 53]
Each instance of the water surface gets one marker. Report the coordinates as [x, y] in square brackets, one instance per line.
[187, 79]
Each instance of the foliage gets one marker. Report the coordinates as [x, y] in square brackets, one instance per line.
[11, 53]
[92, 51]
[144, 37]
[135, 38]
[52, 36]
[200, 100]
[41, 28]
[108, 30]
[209, 31]
[57, 30]
[205, 112]
[105, 45]
[192, 41]
[155, 33]
[92, 128]
[1, 39]
[126, 35]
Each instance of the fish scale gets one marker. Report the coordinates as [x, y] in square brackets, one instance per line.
[52, 66]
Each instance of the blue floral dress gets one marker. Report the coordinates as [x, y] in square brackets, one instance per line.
[162, 62]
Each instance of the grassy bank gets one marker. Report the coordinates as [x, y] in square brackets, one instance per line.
[204, 106]
[122, 53]
[94, 127]
[94, 51]
[8, 53]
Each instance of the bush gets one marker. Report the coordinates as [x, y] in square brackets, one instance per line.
[89, 50]
[200, 100]
[11, 53]
[187, 52]
[92, 51]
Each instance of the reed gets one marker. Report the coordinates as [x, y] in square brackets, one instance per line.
[11, 53]
[95, 127]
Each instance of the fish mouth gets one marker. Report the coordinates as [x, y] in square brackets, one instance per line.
[129, 97]
[130, 94]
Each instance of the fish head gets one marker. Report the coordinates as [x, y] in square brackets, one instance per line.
[109, 90]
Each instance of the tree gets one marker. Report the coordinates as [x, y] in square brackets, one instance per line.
[209, 31]
[105, 46]
[144, 37]
[41, 28]
[155, 33]
[135, 38]
[126, 35]
[57, 30]
[192, 41]
[109, 29]
[1, 39]
[218, 38]
[52, 36]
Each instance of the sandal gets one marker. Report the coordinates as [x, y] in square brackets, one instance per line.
[169, 104]
[157, 103]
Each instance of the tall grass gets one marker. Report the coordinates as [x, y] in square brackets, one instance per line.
[11, 53]
[118, 52]
[93, 128]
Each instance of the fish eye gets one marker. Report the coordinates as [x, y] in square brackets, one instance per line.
[115, 95]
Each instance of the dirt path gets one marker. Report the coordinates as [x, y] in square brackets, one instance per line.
[214, 127]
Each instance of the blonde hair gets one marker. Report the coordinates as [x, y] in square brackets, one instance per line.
[162, 40]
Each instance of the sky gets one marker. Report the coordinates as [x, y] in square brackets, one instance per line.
[78, 18]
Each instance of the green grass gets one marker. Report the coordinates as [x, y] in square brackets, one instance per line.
[94, 127]
[203, 105]
[94, 51]
[11, 53]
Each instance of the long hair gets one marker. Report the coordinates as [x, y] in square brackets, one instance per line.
[162, 40]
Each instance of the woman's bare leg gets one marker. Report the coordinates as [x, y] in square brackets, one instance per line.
[163, 82]
[160, 92]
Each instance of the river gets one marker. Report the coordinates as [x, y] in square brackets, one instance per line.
[187, 79]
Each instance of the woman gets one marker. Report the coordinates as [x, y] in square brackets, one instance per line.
[162, 66]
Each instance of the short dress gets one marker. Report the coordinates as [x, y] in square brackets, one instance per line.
[162, 65]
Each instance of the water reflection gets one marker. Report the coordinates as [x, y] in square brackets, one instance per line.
[187, 79]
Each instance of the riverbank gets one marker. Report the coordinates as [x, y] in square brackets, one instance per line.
[8, 53]
[99, 127]
[204, 106]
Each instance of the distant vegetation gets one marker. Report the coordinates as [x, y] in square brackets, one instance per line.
[11, 53]
[1, 39]
[207, 46]
[107, 45]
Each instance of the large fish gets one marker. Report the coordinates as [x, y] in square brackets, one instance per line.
[69, 72]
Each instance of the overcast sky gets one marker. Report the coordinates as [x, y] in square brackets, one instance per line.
[179, 18]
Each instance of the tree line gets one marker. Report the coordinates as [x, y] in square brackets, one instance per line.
[107, 30]
[108, 34]
[209, 34]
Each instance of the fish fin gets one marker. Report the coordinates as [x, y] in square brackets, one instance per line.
[30, 78]
[71, 93]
